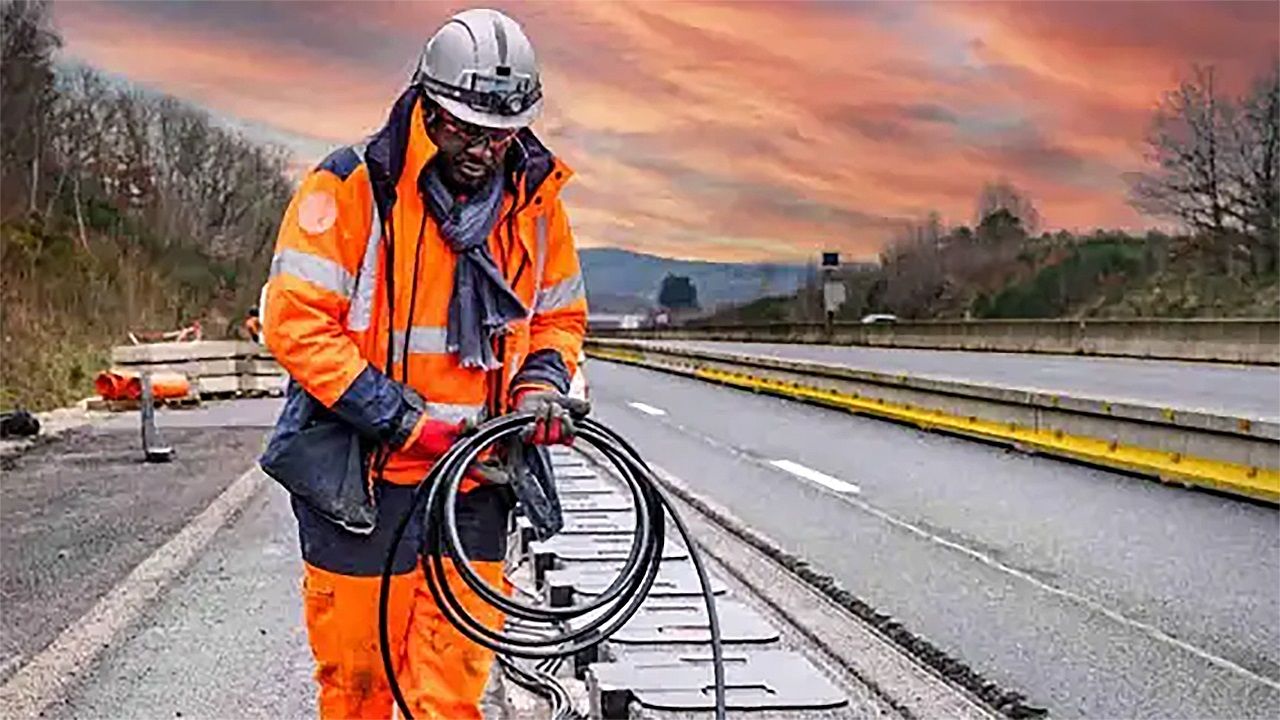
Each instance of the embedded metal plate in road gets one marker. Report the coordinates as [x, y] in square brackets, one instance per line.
[595, 548]
[684, 620]
[603, 522]
[605, 547]
[574, 473]
[585, 490]
[566, 458]
[596, 522]
[588, 486]
[594, 503]
[548, 554]
[755, 679]
[580, 581]
[599, 522]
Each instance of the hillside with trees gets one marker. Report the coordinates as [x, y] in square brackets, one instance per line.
[1214, 174]
[120, 210]
[625, 281]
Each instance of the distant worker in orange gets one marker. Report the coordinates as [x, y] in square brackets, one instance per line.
[421, 279]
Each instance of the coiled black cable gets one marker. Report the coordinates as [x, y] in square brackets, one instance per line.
[566, 630]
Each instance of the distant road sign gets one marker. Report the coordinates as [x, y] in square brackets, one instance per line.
[833, 295]
[830, 259]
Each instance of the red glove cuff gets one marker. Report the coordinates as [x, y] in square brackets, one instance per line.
[431, 437]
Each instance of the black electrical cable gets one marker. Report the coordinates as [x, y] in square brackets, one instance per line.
[567, 630]
[542, 682]
[541, 678]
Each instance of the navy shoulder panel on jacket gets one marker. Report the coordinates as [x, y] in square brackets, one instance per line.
[341, 162]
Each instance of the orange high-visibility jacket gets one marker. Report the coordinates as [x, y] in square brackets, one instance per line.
[342, 288]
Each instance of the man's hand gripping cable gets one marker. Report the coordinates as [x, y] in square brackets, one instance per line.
[565, 631]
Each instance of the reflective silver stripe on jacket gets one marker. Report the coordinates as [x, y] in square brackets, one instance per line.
[423, 340]
[360, 314]
[562, 294]
[539, 259]
[319, 271]
[454, 412]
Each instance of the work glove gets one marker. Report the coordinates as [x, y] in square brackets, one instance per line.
[554, 414]
[432, 438]
[490, 472]
[527, 472]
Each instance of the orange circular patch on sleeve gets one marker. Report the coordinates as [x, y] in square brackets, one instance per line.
[317, 212]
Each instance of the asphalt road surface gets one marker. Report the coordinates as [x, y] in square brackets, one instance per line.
[226, 641]
[225, 637]
[1236, 390]
[80, 511]
[1097, 594]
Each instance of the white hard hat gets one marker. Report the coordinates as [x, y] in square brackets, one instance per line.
[480, 67]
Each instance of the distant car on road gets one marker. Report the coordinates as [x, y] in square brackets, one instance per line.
[578, 385]
[879, 319]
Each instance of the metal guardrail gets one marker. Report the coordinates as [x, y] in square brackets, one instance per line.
[1236, 455]
[1253, 341]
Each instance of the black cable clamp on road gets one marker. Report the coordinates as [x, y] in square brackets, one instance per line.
[558, 637]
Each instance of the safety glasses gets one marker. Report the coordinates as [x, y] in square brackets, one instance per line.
[469, 135]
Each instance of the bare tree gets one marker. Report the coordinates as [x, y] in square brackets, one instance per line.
[82, 126]
[27, 43]
[912, 269]
[1002, 195]
[1254, 169]
[1185, 144]
[1217, 164]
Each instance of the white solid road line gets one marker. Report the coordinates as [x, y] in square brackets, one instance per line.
[648, 409]
[46, 678]
[812, 475]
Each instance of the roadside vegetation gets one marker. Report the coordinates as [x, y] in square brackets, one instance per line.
[120, 210]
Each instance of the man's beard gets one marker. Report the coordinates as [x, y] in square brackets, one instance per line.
[460, 182]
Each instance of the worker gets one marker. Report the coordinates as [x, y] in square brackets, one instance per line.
[253, 325]
[421, 280]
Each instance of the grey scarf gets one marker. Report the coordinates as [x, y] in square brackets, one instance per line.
[482, 304]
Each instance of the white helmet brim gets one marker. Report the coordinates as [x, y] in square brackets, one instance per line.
[466, 113]
[481, 68]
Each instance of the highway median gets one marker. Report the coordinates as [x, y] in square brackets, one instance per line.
[1251, 341]
[1214, 451]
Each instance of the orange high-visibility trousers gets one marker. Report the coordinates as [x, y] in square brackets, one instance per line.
[441, 673]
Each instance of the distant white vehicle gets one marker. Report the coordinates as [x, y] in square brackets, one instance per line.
[879, 319]
[578, 385]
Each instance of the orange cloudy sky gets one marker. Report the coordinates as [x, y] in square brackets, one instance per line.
[743, 130]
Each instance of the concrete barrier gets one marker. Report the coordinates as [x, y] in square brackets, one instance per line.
[1251, 341]
[1230, 454]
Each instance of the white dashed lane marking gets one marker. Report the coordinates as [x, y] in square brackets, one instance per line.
[648, 409]
[814, 476]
